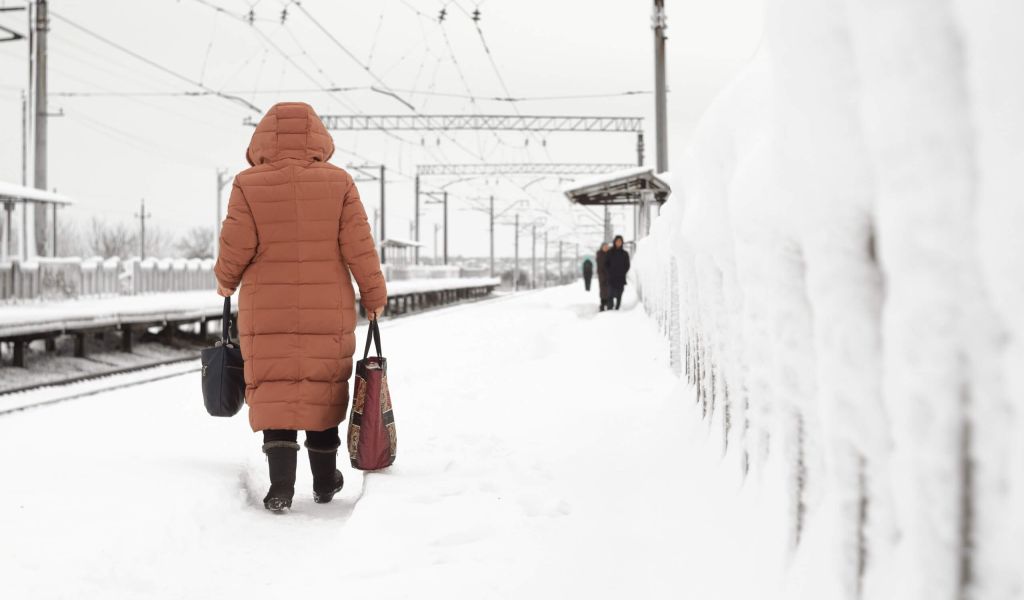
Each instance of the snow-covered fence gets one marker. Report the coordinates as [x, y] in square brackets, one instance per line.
[100, 276]
[57, 278]
[171, 275]
[845, 240]
[406, 272]
[64, 278]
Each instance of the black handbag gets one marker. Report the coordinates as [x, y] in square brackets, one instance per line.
[223, 372]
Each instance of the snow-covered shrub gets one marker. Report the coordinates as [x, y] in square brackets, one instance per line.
[844, 241]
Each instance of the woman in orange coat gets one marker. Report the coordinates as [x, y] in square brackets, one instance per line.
[294, 230]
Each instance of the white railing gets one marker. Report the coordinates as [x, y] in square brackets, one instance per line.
[67, 278]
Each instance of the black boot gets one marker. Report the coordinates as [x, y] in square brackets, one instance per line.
[327, 479]
[281, 456]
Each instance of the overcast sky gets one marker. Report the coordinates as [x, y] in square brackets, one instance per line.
[108, 151]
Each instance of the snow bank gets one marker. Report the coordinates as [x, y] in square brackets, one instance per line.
[839, 272]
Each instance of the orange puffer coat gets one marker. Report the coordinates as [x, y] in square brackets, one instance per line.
[294, 229]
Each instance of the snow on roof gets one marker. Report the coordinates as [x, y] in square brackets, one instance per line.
[615, 177]
[400, 243]
[14, 191]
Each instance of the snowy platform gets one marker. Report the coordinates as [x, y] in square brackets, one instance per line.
[60, 317]
[541, 455]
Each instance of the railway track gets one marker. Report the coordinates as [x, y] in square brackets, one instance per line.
[47, 393]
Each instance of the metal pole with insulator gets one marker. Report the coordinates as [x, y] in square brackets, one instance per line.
[660, 94]
[42, 27]
[142, 215]
[515, 272]
[492, 236]
[221, 181]
[416, 233]
[544, 275]
[560, 263]
[533, 260]
[383, 255]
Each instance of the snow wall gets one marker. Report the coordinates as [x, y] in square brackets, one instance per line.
[840, 272]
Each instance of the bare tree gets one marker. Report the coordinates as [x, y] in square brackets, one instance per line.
[158, 242]
[196, 243]
[112, 239]
[69, 239]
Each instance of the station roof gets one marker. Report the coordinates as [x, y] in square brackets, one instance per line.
[400, 243]
[20, 193]
[619, 187]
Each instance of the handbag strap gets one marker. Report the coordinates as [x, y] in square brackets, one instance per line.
[372, 334]
[225, 322]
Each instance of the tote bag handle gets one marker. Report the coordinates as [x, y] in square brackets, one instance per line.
[225, 323]
[373, 334]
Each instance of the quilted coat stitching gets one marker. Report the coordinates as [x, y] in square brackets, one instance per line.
[297, 301]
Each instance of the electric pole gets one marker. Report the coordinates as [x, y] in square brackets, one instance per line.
[492, 236]
[436, 229]
[416, 233]
[383, 255]
[24, 138]
[446, 227]
[545, 273]
[42, 26]
[560, 273]
[363, 173]
[642, 213]
[222, 180]
[142, 216]
[533, 260]
[660, 101]
[515, 271]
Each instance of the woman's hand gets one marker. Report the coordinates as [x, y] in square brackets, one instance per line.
[375, 313]
[223, 291]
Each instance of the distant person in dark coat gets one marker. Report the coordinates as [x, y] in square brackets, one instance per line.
[602, 275]
[588, 273]
[616, 264]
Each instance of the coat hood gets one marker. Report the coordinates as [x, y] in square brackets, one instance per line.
[290, 130]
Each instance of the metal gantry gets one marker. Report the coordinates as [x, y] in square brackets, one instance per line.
[483, 170]
[419, 122]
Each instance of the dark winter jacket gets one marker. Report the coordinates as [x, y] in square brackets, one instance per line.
[588, 269]
[602, 273]
[616, 263]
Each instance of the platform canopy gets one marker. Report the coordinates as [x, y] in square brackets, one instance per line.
[399, 252]
[20, 193]
[400, 243]
[619, 187]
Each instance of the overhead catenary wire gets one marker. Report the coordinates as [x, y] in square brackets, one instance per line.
[153, 63]
[376, 34]
[209, 49]
[328, 90]
[351, 55]
[269, 42]
[384, 88]
[475, 17]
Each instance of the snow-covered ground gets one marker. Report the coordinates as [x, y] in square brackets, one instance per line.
[544, 452]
